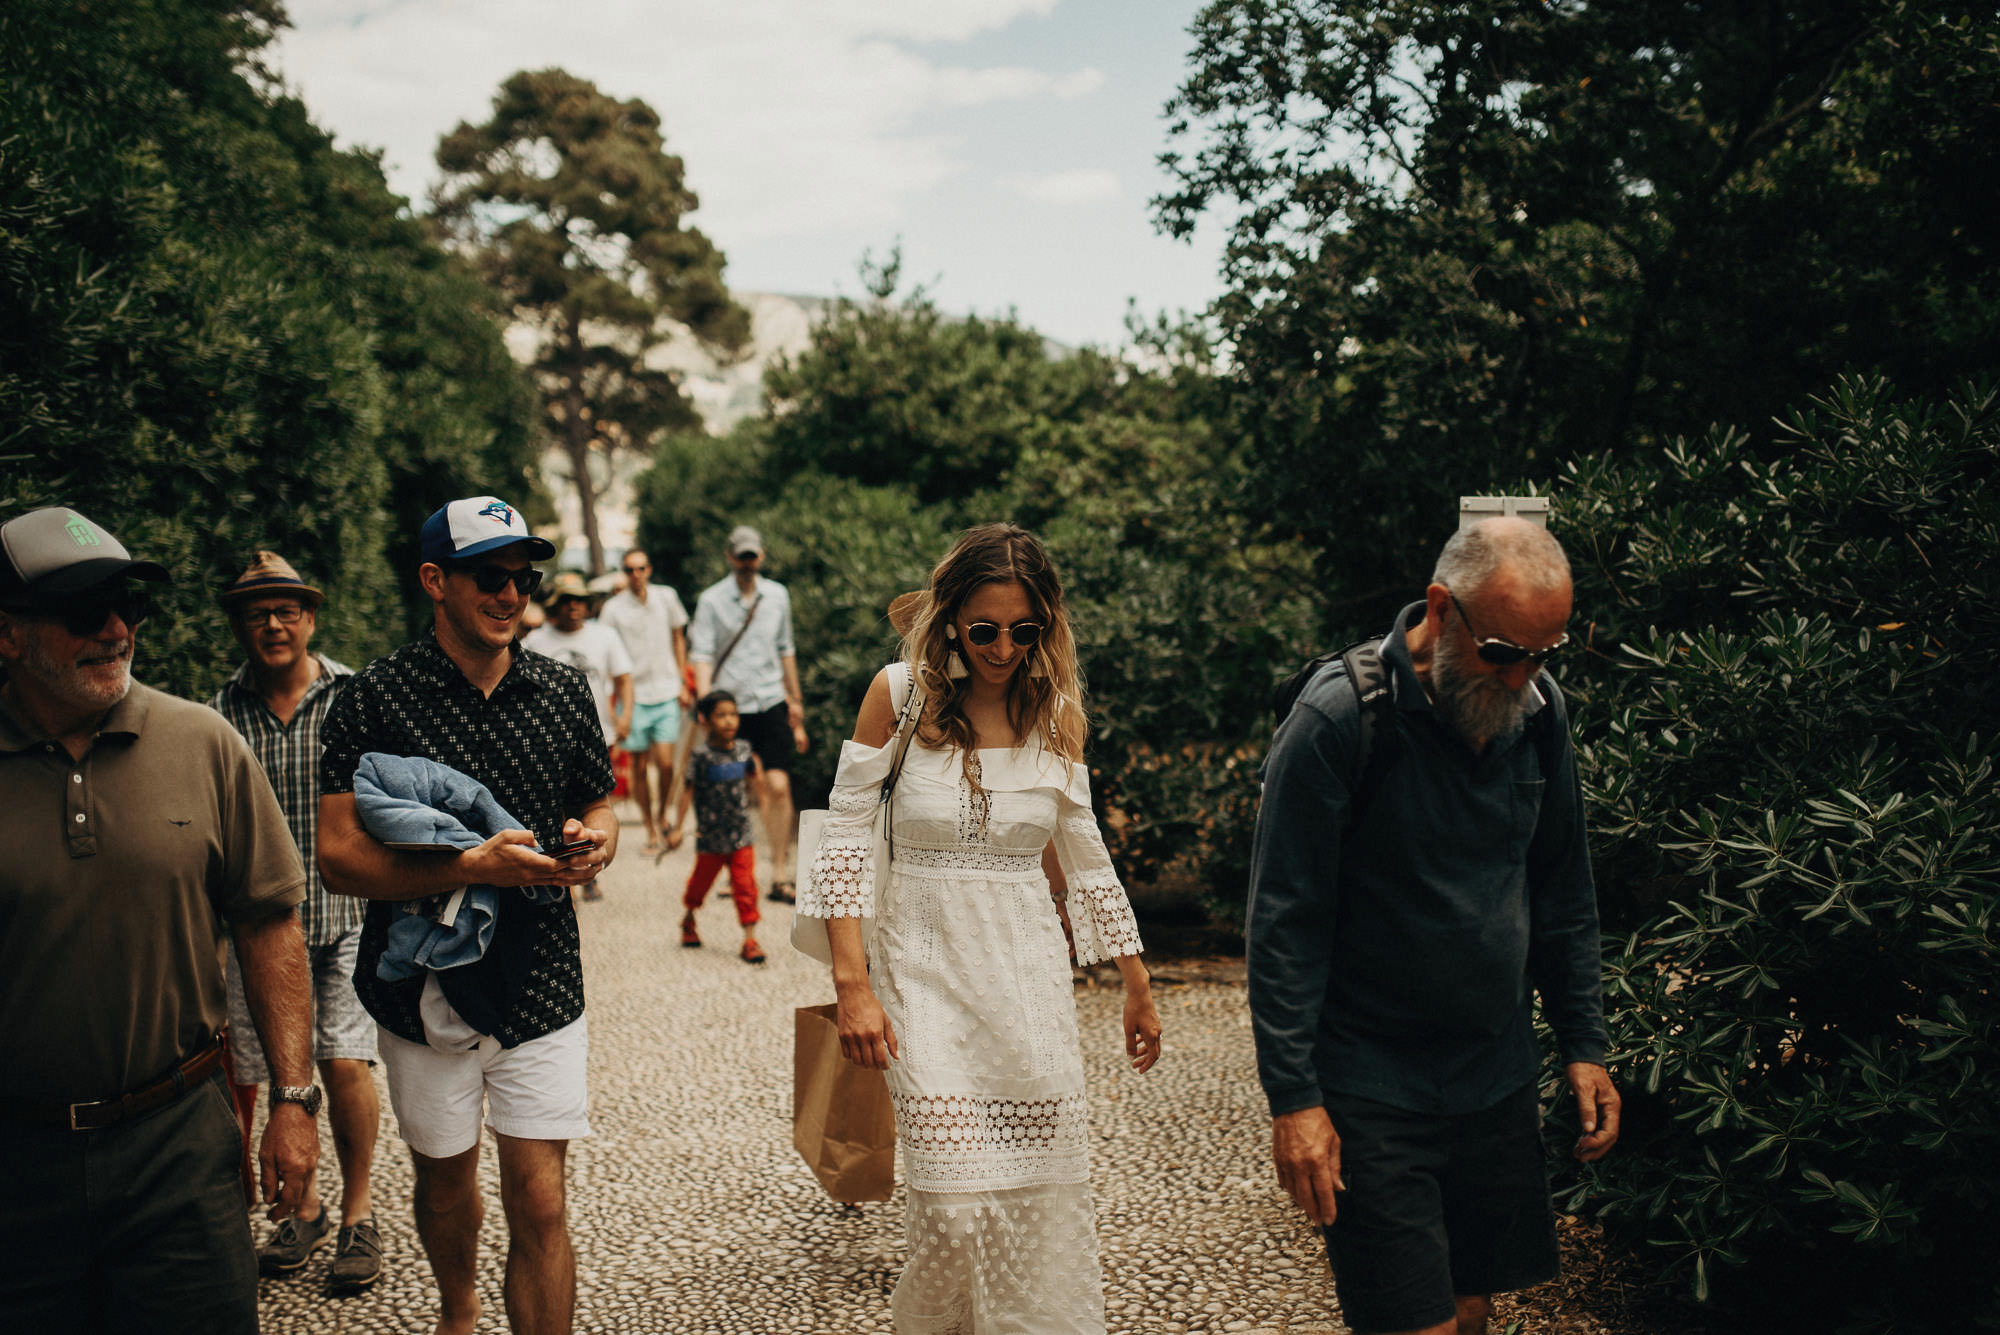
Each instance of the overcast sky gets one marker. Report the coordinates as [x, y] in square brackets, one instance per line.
[1009, 145]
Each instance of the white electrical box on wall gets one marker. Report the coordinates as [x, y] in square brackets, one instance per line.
[1472, 509]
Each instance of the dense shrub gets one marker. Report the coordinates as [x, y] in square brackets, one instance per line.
[1789, 740]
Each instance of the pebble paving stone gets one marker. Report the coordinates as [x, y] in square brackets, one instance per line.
[691, 1212]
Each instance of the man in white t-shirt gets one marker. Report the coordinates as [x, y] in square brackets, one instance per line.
[592, 649]
[651, 621]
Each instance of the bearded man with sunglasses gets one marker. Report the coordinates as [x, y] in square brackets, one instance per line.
[136, 826]
[501, 1040]
[1393, 960]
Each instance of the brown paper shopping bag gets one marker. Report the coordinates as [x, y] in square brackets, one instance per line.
[842, 1121]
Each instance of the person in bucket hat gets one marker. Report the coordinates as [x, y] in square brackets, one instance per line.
[137, 827]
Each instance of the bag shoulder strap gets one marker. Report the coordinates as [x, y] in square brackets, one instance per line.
[715, 669]
[1380, 743]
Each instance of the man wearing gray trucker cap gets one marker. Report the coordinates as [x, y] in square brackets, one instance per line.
[137, 826]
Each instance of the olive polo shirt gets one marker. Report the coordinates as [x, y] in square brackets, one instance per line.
[119, 874]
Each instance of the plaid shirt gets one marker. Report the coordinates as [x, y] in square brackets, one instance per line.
[289, 754]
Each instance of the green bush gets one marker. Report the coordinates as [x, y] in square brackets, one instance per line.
[887, 436]
[1789, 734]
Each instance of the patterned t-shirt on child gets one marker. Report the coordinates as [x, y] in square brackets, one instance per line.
[721, 782]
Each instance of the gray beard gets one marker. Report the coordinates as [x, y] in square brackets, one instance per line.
[66, 682]
[1479, 708]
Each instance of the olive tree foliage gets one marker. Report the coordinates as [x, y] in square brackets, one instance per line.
[572, 208]
[1788, 742]
[1470, 241]
[899, 426]
[217, 333]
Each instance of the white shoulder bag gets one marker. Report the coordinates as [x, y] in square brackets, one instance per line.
[809, 934]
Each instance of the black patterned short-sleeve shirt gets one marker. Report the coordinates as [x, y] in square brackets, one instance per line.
[536, 745]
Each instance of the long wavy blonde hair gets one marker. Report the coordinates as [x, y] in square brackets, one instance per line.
[1045, 694]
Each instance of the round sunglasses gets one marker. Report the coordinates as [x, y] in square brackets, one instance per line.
[1024, 634]
[1504, 653]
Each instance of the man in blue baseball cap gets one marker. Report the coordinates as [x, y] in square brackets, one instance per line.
[507, 1030]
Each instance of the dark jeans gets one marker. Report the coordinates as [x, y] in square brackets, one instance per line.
[138, 1227]
[1437, 1207]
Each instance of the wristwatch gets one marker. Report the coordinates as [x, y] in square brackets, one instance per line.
[306, 1096]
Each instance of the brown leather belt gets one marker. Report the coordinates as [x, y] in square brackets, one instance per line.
[109, 1112]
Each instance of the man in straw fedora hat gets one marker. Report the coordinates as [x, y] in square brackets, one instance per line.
[277, 699]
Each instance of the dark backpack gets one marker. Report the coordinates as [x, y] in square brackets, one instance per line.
[1380, 743]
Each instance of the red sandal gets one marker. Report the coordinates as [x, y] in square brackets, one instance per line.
[752, 954]
[689, 936]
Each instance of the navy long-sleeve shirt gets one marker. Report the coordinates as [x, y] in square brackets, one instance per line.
[1395, 961]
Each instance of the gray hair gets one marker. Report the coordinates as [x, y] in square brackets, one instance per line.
[1476, 553]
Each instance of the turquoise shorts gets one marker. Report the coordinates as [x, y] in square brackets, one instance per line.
[654, 723]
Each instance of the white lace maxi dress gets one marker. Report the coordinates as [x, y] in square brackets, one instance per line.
[968, 958]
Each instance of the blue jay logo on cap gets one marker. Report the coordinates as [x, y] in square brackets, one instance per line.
[499, 512]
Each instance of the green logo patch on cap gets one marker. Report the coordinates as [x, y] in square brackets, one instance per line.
[81, 532]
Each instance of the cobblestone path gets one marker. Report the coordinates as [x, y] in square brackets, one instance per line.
[692, 1213]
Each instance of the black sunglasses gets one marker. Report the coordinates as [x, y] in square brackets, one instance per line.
[88, 616]
[636, 570]
[490, 578]
[1505, 653]
[1024, 634]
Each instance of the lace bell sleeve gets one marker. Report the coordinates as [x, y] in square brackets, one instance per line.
[1100, 916]
[842, 881]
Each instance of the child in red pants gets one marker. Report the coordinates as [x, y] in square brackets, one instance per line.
[722, 772]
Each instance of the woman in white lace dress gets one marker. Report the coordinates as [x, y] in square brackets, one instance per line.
[962, 991]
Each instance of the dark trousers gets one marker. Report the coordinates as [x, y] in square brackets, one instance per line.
[138, 1227]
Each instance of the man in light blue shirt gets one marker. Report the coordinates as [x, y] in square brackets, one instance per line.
[741, 641]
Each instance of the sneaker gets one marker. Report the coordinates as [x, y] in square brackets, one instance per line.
[689, 936]
[292, 1242]
[357, 1258]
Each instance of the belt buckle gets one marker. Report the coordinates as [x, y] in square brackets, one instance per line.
[72, 1116]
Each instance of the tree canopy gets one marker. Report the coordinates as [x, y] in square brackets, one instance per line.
[219, 333]
[1469, 241]
[571, 207]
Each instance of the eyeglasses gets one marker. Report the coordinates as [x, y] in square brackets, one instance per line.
[1504, 653]
[491, 579]
[86, 618]
[287, 615]
[637, 570]
[1024, 634]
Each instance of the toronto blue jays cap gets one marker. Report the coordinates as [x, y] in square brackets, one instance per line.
[50, 555]
[475, 526]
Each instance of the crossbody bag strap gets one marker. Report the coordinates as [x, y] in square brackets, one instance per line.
[906, 729]
[715, 670]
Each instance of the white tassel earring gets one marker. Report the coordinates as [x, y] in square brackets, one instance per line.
[954, 666]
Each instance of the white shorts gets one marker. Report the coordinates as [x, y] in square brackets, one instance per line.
[532, 1092]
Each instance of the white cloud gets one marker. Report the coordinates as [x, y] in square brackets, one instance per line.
[792, 115]
[1084, 185]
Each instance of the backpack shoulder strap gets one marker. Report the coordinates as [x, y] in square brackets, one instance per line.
[1379, 743]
